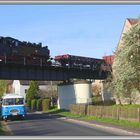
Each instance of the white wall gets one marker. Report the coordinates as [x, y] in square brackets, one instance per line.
[19, 89]
[83, 93]
[16, 87]
[22, 90]
[72, 94]
[66, 96]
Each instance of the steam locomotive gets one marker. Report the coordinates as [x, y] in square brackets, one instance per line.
[22, 52]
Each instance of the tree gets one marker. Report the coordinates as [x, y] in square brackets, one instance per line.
[3, 87]
[96, 88]
[33, 91]
[126, 66]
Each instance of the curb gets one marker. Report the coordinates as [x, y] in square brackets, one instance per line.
[109, 128]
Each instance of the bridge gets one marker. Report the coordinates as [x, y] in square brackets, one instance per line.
[50, 73]
[22, 60]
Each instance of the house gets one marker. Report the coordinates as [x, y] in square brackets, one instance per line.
[129, 22]
[46, 87]
[105, 92]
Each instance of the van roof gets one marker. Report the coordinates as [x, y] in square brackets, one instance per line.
[12, 95]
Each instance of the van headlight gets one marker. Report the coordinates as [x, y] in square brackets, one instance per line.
[22, 110]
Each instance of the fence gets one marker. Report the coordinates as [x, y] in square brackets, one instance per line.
[120, 113]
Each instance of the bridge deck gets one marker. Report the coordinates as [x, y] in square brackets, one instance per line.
[27, 72]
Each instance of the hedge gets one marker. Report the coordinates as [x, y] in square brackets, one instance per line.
[28, 104]
[33, 104]
[39, 105]
[45, 104]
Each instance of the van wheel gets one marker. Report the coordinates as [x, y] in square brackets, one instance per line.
[5, 120]
[22, 118]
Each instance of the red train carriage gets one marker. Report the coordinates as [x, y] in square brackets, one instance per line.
[109, 59]
[80, 62]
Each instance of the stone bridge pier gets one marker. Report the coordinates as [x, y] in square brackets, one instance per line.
[74, 93]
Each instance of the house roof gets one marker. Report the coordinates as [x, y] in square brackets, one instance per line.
[132, 21]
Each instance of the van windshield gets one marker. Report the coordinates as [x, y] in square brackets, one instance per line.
[13, 101]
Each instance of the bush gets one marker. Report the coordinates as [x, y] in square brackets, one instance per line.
[109, 103]
[33, 104]
[39, 105]
[45, 104]
[97, 100]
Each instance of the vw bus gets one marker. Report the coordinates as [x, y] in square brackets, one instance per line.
[12, 106]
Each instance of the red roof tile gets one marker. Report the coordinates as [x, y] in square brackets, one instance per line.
[132, 21]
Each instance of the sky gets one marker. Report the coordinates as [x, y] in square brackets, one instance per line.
[83, 30]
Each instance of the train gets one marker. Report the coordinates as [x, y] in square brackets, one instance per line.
[109, 59]
[23, 52]
[80, 62]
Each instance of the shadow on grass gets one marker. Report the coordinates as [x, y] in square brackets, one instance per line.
[58, 111]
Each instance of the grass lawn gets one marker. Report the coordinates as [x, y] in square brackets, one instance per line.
[127, 106]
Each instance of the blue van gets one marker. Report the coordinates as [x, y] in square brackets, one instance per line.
[12, 106]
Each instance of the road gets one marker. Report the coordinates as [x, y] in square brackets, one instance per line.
[37, 124]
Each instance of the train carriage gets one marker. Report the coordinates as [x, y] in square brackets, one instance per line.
[80, 62]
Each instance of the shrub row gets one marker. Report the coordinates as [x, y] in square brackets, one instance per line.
[97, 100]
[38, 104]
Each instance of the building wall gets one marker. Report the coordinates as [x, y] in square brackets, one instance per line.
[19, 89]
[16, 87]
[73, 94]
[106, 93]
[125, 29]
[23, 89]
